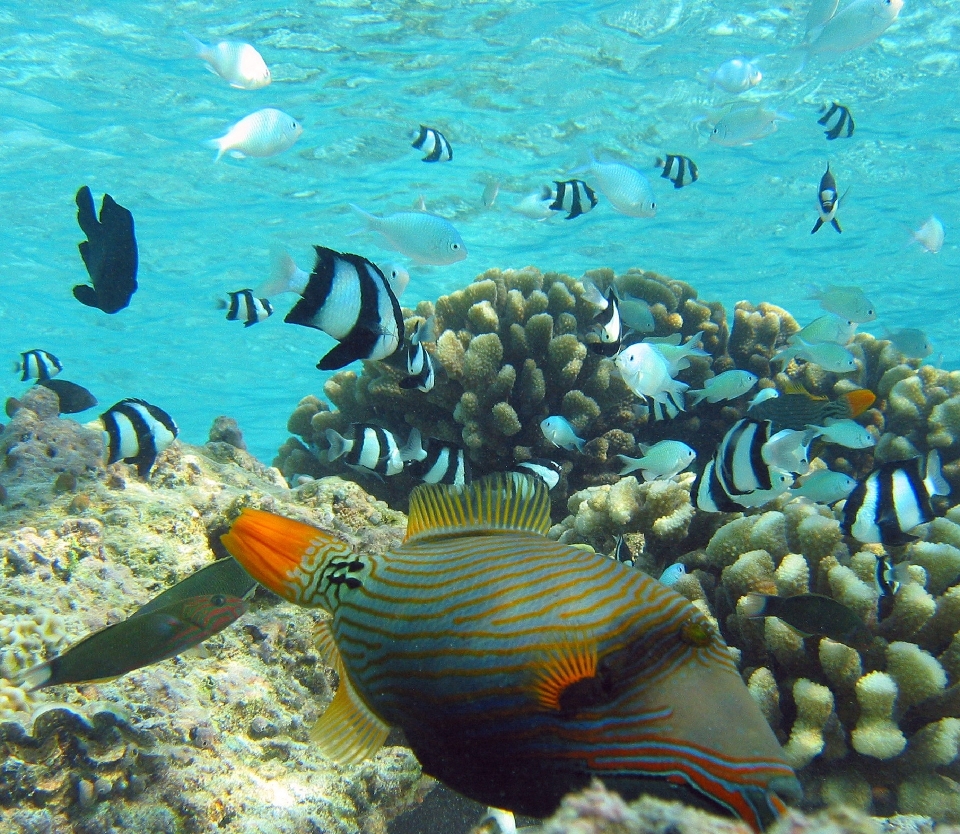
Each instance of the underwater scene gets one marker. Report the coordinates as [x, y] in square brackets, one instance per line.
[447, 417]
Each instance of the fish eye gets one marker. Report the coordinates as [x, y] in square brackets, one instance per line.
[219, 599]
[454, 246]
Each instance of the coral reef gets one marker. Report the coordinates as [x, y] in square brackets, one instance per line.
[216, 739]
[510, 352]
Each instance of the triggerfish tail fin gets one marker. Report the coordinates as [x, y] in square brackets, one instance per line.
[348, 732]
[511, 501]
[859, 400]
[284, 555]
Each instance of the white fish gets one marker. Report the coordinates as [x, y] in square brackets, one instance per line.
[235, 62]
[490, 192]
[847, 433]
[828, 355]
[647, 374]
[762, 396]
[828, 328]
[744, 122]
[824, 487]
[736, 76]
[263, 133]
[930, 235]
[672, 574]
[819, 13]
[425, 238]
[910, 341]
[660, 461]
[847, 302]
[560, 433]
[788, 450]
[726, 386]
[536, 206]
[676, 354]
[628, 191]
[856, 24]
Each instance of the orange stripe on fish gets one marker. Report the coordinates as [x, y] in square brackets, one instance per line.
[519, 667]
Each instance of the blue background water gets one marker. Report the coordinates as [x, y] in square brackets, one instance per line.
[110, 95]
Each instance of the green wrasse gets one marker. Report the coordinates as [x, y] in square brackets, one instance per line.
[797, 408]
[520, 668]
[138, 641]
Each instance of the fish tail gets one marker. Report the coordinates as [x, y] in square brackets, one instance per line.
[36, 676]
[218, 145]
[200, 47]
[752, 605]
[283, 273]
[284, 555]
[858, 401]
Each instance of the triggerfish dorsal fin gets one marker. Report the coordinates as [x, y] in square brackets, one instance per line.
[283, 555]
[505, 502]
[348, 732]
[791, 386]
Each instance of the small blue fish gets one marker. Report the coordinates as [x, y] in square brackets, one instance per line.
[560, 433]
[672, 574]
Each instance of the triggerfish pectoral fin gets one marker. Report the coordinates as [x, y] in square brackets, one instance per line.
[284, 555]
[347, 732]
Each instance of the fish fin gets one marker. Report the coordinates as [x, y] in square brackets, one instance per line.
[216, 145]
[413, 448]
[934, 481]
[87, 295]
[36, 677]
[566, 665]
[753, 605]
[507, 501]
[836, 225]
[791, 386]
[859, 400]
[816, 226]
[340, 356]
[348, 732]
[282, 554]
[327, 645]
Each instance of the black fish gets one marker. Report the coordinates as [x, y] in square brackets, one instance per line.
[109, 253]
[368, 449]
[608, 325]
[572, 196]
[349, 298]
[893, 499]
[827, 202]
[434, 145]
[680, 170]
[38, 364]
[737, 477]
[548, 471]
[73, 398]
[137, 432]
[248, 309]
[811, 614]
[439, 462]
[844, 120]
[420, 370]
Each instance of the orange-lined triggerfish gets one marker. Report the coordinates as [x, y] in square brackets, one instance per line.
[519, 668]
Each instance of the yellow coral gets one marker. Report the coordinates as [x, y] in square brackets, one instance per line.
[840, 663]
[918, 674]
[814, 707]
[876, 735]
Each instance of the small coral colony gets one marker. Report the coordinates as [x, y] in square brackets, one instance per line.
[572, 450]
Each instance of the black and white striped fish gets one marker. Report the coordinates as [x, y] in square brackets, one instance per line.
[37, 364]
[737, 476]
[608, 327]
[572, 196]
[437, 462]
[245, 307]
[368, 449]
[420, 372]
[349, 298]
[136, 432]
[828, 201]
[548, 471]
[680, 170]
[434, 145]
[888, 583]
[842, 125]
[893, 499]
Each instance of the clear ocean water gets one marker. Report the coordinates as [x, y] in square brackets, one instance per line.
[110, 95]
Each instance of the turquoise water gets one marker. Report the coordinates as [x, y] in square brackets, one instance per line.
[110, 95]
